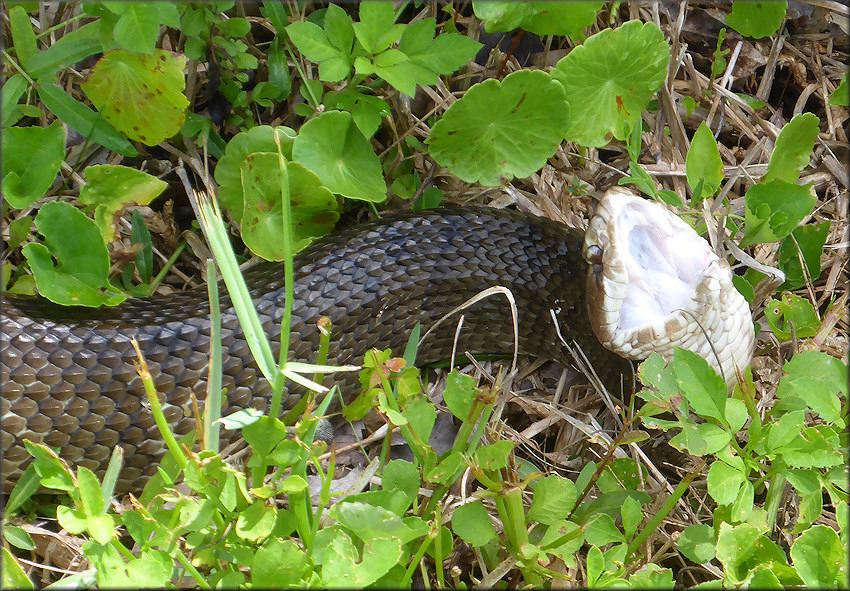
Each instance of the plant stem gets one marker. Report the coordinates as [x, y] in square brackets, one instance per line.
[156, 409]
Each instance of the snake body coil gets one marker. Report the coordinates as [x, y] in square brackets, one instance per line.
[69, 381]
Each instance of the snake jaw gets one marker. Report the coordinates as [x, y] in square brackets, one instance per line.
[654, 284]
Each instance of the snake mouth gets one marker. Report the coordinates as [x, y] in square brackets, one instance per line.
[655, 284]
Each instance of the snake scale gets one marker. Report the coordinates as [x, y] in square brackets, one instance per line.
[68, 375]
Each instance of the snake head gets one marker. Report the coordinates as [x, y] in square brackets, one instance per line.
[654, 284]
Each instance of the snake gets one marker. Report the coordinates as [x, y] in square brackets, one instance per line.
[638, 280]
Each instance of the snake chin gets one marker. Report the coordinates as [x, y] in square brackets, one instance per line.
[656, 284]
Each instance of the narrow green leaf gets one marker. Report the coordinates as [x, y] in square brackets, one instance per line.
[22, 35]
[83, 120]
[69, 49]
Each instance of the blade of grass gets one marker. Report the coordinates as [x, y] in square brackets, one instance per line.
[288, 272]
[212, 405]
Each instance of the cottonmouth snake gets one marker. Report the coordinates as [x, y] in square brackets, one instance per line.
[69, 381]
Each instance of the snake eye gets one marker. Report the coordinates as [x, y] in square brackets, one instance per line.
[594, 254]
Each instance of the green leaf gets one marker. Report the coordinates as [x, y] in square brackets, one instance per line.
[141, 95]
[443, 54]
[493, 456]
[376, 30]
[82, 269]
[699, 383]
[447, 471]
[256, 522]
[314, 44]
[460, 394]
[71, 48]
[228, 171]
[32, 157]
[841, 96]
[793, 149]
[652, 576]
[152, 568]
[341, 568]
[401, 475]
[279, 69]
[819, 558]
[756, 19]
[421, 415]
[609, 81]
[602, 531]
[696, 542]
[18, 537]
[563, 539]
[83, 120]
[368, 522]
[72, 520]
[791, 310]
[807, 240]
[741, 549]
[817, 378]
[331, 146]
[703, 165]
[12, 576]
[313, 208]
[137, 28]
[111, 187]
[472, 523]
[23, 36]
[783, 431]
[814, 447]
[499, 131]
[724, 482]
[397, 69]
[774, 209]
[554, 498]
[13, 89]
[541, 18]
[280, 564]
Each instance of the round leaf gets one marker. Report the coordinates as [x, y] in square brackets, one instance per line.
[610, 79]
[228, 171]
[313, 208]
[333, 147]
[499, 131]
[141, 95]
[472, 523]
